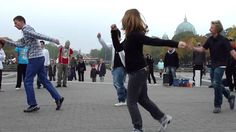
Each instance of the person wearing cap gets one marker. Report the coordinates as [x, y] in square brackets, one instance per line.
[220, 49]
[36, 63]
[2, 58]
[65, 54]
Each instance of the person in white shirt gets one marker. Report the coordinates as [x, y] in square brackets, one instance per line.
[46, 62]
[2, 58]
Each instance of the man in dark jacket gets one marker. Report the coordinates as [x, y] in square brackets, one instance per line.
[171, 63]
[230, 70]
[81, 69]
[199, 61]
[150, 62]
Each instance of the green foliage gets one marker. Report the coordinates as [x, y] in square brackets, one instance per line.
[94, 53]
[9, 50]
[231, 32]
[53, 50]
[102, 53]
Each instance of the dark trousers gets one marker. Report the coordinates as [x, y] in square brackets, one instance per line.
[81, 76]
[198, 67]
[72, 73]
[150, 73]
[21, 70]
[231, 72]
[52, 77]
[94, 79]
[137, 93]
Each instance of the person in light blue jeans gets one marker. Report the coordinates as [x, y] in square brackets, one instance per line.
[118, 71]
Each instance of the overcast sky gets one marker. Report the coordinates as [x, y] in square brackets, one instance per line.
[80, 20]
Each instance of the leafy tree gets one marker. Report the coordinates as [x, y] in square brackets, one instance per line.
[94, 53]
[53, 50]
[231, 32]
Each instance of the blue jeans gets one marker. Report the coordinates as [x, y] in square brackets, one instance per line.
[171, 70]
[36, 66]
[118, 82]
[217, 74]
[38, 80]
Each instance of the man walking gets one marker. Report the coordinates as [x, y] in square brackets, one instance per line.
[220, 50]
[36, 63]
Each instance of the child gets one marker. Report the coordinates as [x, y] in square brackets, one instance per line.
[52, 70]
[93, 73]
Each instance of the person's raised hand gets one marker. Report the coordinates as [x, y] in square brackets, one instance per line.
[182, 44]
[113, 27]
[99, 35]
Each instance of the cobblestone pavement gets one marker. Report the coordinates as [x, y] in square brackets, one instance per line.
[89, 107]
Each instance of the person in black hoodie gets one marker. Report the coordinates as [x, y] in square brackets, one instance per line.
[230, 71]
[136, 67]
[199, 62]
[171, 63]
[150, 62]
[81, 68]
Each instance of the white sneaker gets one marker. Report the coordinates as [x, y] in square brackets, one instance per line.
[120, 104]
[164, 122]
[17, 88]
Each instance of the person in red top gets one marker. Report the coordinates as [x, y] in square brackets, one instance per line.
[65, 54]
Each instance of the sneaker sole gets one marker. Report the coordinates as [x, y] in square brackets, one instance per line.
[162, 129]
[34, 110]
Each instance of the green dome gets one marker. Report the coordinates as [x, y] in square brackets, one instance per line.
[165, 37]
[185, 27]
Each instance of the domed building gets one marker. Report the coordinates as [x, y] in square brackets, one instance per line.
[185, 27]
[165, 37]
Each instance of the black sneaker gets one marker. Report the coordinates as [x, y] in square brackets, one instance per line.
[59, 102]
[32, 108]
[64, 85]
[231, 101]
[58, 85]
[211, 86]
[217, 110]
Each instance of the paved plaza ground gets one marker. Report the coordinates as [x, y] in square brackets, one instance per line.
[89, 107]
